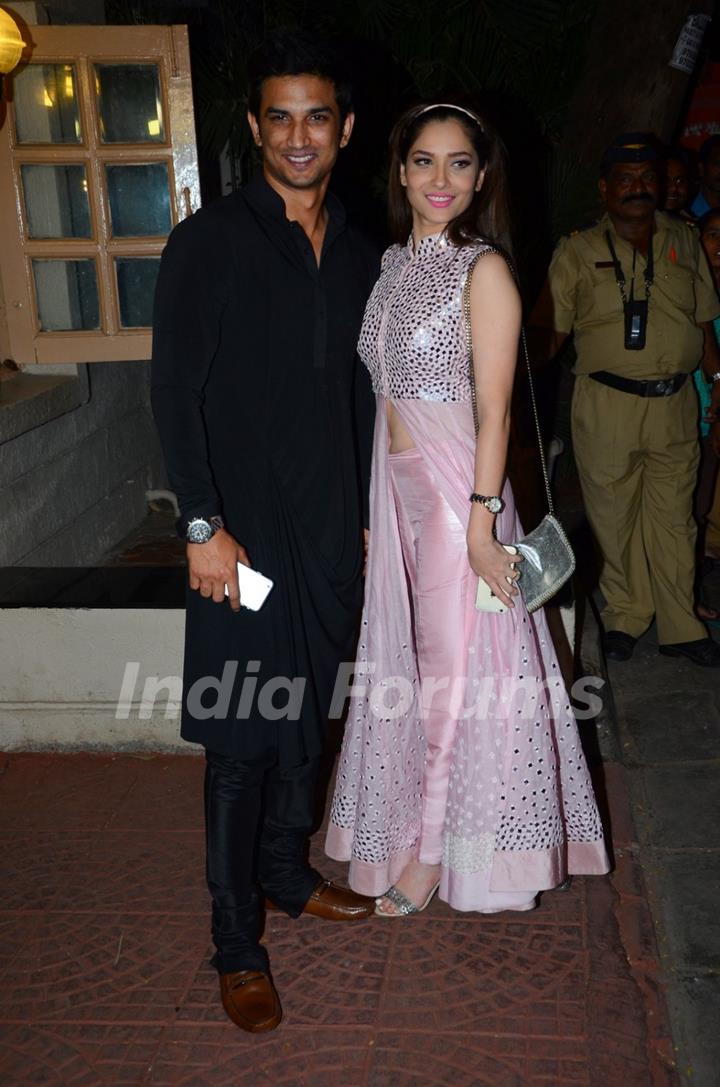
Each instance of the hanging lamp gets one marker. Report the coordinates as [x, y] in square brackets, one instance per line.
[11, 43]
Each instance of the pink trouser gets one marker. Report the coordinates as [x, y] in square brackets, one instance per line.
[435, 554]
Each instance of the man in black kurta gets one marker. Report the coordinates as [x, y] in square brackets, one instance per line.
[265, 415]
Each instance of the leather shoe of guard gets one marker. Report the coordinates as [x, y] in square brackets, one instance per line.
[704, 652]
[617, 645]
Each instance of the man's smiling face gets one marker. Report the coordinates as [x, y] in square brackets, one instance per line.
[299, 130]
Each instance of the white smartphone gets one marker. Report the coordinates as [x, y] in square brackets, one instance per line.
[254, 587]
[485, 600]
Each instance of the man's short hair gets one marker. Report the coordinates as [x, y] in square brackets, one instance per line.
[298, 52]
[705, 220]
[708, 147]
[680, 154]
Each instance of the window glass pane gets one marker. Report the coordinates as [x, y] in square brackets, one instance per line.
[139, 199]
[136, 289]
[67, 294]
[45, 103]
[129, 103]
[56, 201]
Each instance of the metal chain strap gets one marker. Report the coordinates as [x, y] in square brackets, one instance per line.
[523, 340]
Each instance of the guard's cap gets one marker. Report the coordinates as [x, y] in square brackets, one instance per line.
[629, 147]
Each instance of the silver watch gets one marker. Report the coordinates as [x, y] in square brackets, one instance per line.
[492, 502]
[200, 529]
[715, 377]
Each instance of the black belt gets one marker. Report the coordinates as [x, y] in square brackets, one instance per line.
[664, 386]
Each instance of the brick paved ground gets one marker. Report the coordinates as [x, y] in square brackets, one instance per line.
[104, 947]
[667, 716]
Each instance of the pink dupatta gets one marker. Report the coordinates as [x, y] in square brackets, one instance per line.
[521, 813]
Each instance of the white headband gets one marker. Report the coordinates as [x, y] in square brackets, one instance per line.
[451, 105]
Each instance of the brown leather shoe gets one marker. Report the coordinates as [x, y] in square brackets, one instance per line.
[335, 903]
[250, 1000]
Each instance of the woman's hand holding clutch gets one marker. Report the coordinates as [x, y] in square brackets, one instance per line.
[496, 567]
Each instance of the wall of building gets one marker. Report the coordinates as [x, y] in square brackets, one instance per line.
[91, 679]
[73, 485]
[58, 12]
[78, 448]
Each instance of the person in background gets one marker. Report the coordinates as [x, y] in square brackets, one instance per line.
[676, 186]
[636, 292]
[707, 489]
[712, 529]
[709, 193]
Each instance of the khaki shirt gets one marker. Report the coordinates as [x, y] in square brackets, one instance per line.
[586, 299]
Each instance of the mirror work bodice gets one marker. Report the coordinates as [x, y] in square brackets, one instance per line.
[414, 338]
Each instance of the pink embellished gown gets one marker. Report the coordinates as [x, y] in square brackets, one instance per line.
[461, 748]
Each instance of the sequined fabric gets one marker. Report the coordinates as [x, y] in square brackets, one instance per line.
[413, 335]
[520, 811]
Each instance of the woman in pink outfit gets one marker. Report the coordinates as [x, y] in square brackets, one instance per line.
[461, 765]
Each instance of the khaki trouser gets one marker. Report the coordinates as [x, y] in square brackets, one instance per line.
[637, 459]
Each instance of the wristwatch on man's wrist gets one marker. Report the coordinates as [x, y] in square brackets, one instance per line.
[201, 529]
[492, 502]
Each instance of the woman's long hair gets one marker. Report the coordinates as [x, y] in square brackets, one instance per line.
[487, 217]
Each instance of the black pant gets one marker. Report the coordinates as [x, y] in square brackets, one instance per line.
[258, 817]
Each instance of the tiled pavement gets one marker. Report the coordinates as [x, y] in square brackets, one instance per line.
[668, 723]
[105, 982]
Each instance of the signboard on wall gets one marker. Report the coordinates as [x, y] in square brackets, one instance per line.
[687, 47]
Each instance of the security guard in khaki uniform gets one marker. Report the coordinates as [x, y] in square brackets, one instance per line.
[637, 294]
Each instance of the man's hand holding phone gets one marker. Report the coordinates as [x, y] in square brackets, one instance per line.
[213, 565]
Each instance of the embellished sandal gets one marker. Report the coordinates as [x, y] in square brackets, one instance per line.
[403, 903]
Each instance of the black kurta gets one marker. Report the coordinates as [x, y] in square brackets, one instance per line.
[265, 416]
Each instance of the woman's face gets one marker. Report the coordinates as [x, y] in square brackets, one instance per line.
[441, 176]
[710, 239]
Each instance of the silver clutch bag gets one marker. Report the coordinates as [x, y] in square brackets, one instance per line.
[549, 559]
[549, 562]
